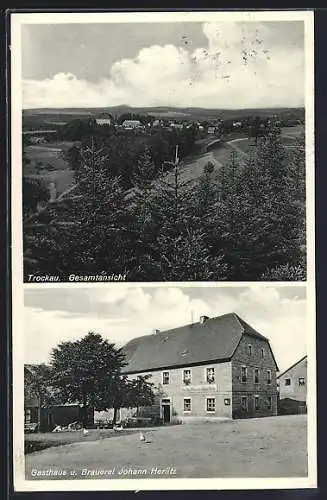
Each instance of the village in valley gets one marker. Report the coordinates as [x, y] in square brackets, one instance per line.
[144, 162]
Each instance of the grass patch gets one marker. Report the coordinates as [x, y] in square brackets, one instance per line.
[41, 441]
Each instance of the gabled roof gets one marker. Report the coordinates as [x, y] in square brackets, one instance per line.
[292, 366]
[215, 340]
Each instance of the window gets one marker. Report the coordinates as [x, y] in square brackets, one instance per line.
[210, 375]
[243, 374]
[250, 349]
[165, 378]
[186, 377]
[287, 381]
[269, 377]
[187, 404]
[301, 381]
[256, 375]
[227, 401]
[211, 404]
[256, 403]
[28, 416]
[262, 352]
[269, 403]
[244, 403]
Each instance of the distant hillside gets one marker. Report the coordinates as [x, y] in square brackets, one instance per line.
[48, 118]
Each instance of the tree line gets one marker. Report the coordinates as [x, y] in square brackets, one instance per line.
[242, 222]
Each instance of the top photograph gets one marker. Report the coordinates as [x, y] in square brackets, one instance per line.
[172, 146]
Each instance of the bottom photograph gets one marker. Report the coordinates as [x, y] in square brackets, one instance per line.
[153, 382]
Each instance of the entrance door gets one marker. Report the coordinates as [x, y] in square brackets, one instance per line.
[166, 413]
[50, 421]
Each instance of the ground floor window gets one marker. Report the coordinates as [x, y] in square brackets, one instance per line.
[269, 402]
[28, 416]
[244, 403]
[187, 404]
[256, 403]
[211, 404]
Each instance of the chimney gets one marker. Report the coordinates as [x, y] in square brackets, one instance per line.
[203, 319]
[156, 331]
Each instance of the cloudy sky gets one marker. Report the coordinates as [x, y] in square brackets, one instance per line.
[225, 64]
[123, 312]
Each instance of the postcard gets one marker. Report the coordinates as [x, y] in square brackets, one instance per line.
[163, 270]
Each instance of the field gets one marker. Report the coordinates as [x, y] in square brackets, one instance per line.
[262, 447]
[220, 153]
[46, 161]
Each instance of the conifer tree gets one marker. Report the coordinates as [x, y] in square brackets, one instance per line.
[90, 232]
[173, 234]
[261, 222]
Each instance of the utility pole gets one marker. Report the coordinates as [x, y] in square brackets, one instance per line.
[176, 155]
[176, 178]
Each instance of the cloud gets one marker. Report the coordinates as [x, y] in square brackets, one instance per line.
[242, 66]
[122, 313]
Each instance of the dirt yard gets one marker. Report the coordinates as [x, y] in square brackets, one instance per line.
[263, 447]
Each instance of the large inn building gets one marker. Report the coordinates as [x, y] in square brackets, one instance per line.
[215, 369]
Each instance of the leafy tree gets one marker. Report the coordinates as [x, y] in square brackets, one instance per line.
[87, 372]
[38, 383]
[130, 393]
